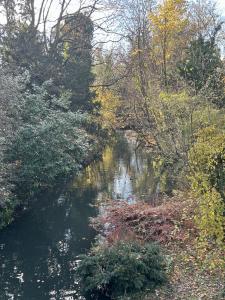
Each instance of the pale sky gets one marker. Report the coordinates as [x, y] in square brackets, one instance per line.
[221, 6]
[75, 4]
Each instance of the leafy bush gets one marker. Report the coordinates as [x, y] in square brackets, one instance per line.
[51, 142]
[207, 162]
[11, 104]
[119, 270]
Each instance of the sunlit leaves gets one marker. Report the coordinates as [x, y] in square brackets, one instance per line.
[109, 103]
[207, 162]
[167, 23]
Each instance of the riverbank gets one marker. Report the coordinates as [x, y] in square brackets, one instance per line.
[59, 221]
[23, 195]
[193, 273]
[41, 247]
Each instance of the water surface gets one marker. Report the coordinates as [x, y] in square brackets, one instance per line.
[38, 251]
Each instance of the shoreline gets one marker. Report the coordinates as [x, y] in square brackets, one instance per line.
[192, 274]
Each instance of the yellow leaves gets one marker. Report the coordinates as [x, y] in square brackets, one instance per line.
[66, 51]
[109, 103]
[136, 51]
[206, 159]
[210, 219]
[169, 17]
[171, 98]
[210, 145]
[107, 158]
[167, 22]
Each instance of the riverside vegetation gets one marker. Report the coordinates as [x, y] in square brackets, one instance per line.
[46, 127]
[164, 78]
[172, 96]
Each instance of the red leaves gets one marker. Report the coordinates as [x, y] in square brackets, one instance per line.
[143, 222]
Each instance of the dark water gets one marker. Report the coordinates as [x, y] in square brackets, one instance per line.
[38, 251]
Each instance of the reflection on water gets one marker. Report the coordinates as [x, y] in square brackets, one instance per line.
[123, 173]
[38, 251]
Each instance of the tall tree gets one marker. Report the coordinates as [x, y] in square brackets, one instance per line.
[77, 35]
[168, 22]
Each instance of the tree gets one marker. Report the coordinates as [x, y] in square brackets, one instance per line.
[50, 143]
[108, 102]
[76, 35]
[203, 68]
[204, 18]
[168, 23]
[22, 49]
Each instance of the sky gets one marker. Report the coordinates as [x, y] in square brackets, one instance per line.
[221, 6]
[75, 3]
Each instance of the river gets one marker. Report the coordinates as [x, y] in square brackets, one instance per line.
[38, 251]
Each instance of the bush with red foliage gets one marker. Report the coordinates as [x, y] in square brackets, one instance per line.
[143, 222]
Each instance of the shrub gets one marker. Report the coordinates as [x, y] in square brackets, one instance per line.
[11, 104]
[120, 270]
[51, 142]
[207, 161]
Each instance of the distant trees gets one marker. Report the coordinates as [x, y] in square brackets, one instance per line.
[107, 102]
[171, 50]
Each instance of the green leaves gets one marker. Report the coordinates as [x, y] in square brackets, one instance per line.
[51, 142]
[122, 269]
[203, 69]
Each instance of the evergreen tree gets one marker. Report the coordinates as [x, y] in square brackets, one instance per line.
[77, 34]
[203, 68]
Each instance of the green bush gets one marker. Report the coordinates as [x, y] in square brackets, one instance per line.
[11, 103]
[120, 270]
[51, 141]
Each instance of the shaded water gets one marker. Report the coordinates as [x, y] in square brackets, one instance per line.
[38, 251]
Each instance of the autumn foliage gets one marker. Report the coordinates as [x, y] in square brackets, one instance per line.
[165, 223]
